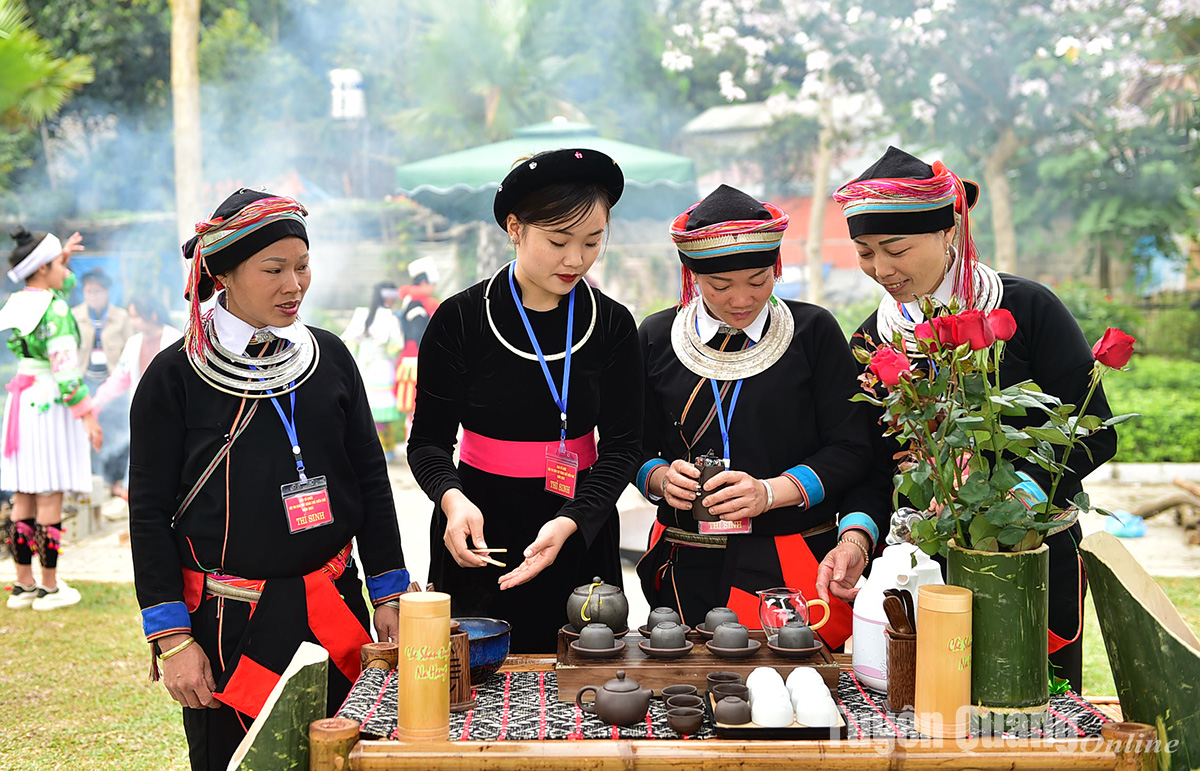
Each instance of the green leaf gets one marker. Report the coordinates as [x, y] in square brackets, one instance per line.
[1051, 435]
[1012, 535]
[1082, 501]
[1115, 419]
[975, 492]
[1006, 513]
[1004, 477]
[981, 529]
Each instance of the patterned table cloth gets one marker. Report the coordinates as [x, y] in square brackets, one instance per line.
[524, 706]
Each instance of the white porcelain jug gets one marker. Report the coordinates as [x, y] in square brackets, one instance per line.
[894, 569]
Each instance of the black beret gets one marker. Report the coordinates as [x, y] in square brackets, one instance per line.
[568, 166]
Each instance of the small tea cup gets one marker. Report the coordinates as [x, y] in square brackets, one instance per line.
[795, 635]
[716, 678]
[731, 635]
[667, 634]
[685, 720]
[736, 690]
[596, 637]
[732, 711]
[682, 689]
[718, 616]
[684, 700]
[659, 615]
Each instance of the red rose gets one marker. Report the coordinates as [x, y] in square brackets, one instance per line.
[924, 331]
[1114, 349]
[889, 365]
[1003, 325]
[973, 328]
[947, 330]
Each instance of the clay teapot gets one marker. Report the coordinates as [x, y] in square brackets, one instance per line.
[598, 603]
[621, 701]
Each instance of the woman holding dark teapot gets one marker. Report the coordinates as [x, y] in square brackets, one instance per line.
[757, 390]
[531, 363]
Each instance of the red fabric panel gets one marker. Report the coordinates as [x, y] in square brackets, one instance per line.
[334, 624]
[193, 589]
[248, 687]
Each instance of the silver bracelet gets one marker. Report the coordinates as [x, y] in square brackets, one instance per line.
[770, 494]
[664, 483]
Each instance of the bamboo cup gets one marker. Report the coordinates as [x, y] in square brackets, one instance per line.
[423, 693]
[943, 689]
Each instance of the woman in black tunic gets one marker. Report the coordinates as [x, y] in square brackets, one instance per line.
[492, 361]
[253, 464]
[765, 385]
[916, 242]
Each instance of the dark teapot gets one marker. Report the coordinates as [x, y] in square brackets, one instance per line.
[598, 603]
[621, 701]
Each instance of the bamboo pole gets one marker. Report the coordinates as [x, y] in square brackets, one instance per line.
[330, 740]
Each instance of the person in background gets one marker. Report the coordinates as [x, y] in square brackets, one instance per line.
[104, 329]
[417, 305]
[911, 225]
[532, 363]
[254, 468]
[49, 417]
[152, 334]
[374, 338]
[764, 385]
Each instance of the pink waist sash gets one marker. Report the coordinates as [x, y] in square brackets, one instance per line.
[12, 431]
[519, 459]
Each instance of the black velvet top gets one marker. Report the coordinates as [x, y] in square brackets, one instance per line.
[177, 425]
[796, 413]
[467, 377]
[1048, 348]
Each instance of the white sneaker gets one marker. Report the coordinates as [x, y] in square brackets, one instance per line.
[62, 597]
[22, 596]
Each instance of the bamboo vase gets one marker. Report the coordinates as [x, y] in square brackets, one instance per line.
[423, 672]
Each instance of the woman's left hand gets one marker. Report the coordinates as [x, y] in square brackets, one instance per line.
[387, 623]
[73, 244]
[742, 498]
[542, 552]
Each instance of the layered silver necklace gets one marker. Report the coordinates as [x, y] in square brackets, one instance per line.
[256, 377]
[889, 319]
[708, 362]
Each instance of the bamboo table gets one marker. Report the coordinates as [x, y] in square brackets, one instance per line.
[1102, 754]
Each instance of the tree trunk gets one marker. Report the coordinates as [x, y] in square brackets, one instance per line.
[820, 198]
[996, 179]
[185, 95]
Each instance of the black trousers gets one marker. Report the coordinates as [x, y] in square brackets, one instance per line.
[214, 734]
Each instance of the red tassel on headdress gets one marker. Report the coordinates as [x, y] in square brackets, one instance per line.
[964, 270]
[193, 337]
[687, 286]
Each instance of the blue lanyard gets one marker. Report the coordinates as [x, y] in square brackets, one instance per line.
[560, 401]
[289, 425]
[725, 422]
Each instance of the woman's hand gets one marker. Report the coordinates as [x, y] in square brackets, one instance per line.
[682, 484]
[387, 623]
[463, 520]
[841, 569]
[542, 552]
[187, 674]
[743, 496]
[94, 432]
[73, 244]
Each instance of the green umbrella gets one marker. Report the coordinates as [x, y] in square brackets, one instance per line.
[461, 185]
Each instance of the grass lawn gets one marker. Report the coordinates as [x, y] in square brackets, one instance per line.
[76, 693]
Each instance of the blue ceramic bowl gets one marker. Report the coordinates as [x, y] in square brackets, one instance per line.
[488, 638]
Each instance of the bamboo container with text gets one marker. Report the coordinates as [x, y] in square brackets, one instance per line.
[942, 699]
[423, 673]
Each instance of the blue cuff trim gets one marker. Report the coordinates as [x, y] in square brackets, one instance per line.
[809, 483]
[387, 586]
[1028, 491]
[860, 521]
[165, 617]
[643, 475]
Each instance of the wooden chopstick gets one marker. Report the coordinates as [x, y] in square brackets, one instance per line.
[489, 551]
[491, 561]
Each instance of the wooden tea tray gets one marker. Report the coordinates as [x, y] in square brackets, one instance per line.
[575, 672]
[793, 731]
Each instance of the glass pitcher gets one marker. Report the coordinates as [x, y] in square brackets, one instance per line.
[781, 604]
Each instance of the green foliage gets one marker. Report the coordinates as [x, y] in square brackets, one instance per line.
[34, 82]
[1166, 395]
[1174, 332]
[1097, 310]
[852, 315]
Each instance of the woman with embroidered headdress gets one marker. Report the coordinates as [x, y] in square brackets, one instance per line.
[763, 385]
[531, 363]
[253, 465]
[910, 223]
[49, 418]
[374, 337]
